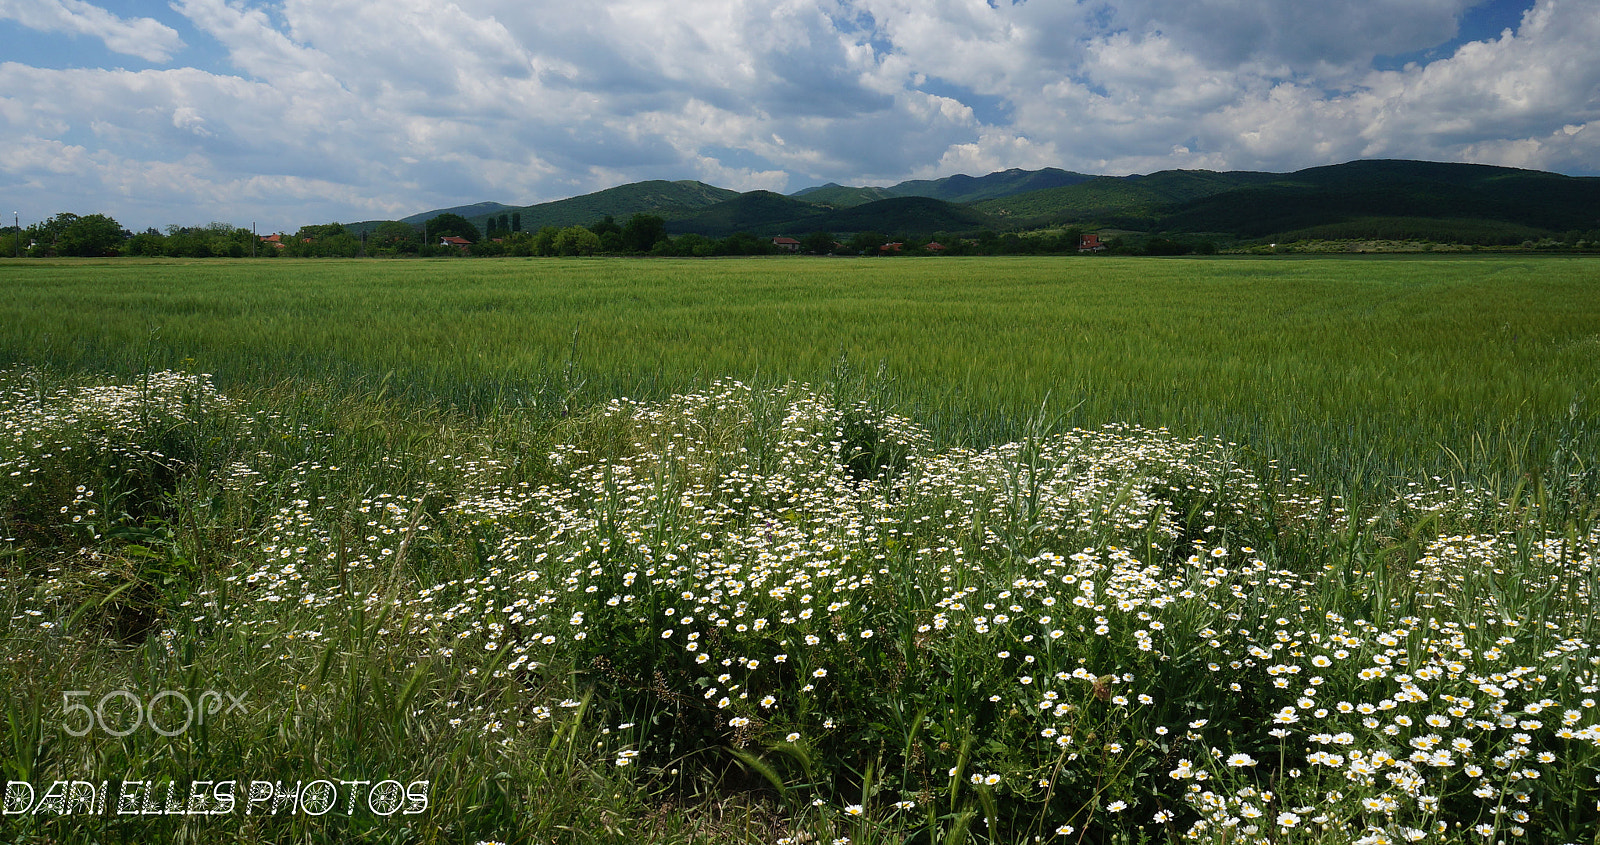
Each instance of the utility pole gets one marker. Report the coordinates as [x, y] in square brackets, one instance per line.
[253, 239]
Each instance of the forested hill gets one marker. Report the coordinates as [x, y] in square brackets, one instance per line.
[1359, 194]
[667, 199]
[765, 212]
[1375, 198]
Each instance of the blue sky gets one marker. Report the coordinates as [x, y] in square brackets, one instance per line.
[290, 112]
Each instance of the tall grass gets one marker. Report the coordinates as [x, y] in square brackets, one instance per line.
[1372, 368]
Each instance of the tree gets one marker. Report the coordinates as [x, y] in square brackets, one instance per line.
[149, 243]
[642, 232]
[516, 221]
[487, 249]
[685, 246]
[327, 240]
[520, 243]
[544, 242]
[448, 224]
[608, 224]
[576, 240]
[11, 241]
[91, 236]
[394, 237]
[1166, 246]
[817, 243]
[868, 242]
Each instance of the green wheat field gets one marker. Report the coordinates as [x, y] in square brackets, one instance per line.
[801, 550]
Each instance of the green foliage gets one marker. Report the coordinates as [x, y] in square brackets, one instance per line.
[1459, 198]
[13, 242]
[867, 242]
[1392, 200]
[916, 217]
[1134, 198]
[771, 214]
[756, 211]
[667, 199]
[643, 232]
[396, 238]
[969, 189]
[817, 243]
[745, 243]
[544, 242]
[839, 196]
[473, 211]
[1486, 232]
[577, 240]
[446, 225]
[91, 236]
[66, 234]
[330, 240]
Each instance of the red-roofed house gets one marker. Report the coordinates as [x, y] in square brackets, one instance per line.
[786, 244]
[934, 247]
[1090, 243]
[455, 241]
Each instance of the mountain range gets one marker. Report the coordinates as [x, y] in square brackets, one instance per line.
[1368, 198]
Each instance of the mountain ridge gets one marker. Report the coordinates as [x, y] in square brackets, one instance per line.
[1239, 204]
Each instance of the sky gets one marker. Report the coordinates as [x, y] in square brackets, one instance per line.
[291, 112]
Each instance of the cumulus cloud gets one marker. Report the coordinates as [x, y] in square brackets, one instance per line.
[145, 38]
[1302, 37]
[371, 109]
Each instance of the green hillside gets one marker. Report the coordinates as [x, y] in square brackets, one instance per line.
[904, 216]
[1119, 197]
[1435, 229]
[971, 189]
[367, 227]
[840, 196]
[1342, 196]
[668, 199]
[757, 212]
[767, 214]
[1362, 199]
[476, 212]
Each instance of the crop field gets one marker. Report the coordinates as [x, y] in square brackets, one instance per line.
[1363, 367]
[801, 551]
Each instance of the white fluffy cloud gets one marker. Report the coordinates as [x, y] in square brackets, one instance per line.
[346, 109]
[146, 38]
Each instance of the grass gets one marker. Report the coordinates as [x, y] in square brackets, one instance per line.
[1381, 369]
[594, 591]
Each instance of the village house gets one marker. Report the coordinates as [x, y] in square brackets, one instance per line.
[1090, 243]
[786, 244]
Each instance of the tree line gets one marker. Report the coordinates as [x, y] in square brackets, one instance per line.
[99, 235]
